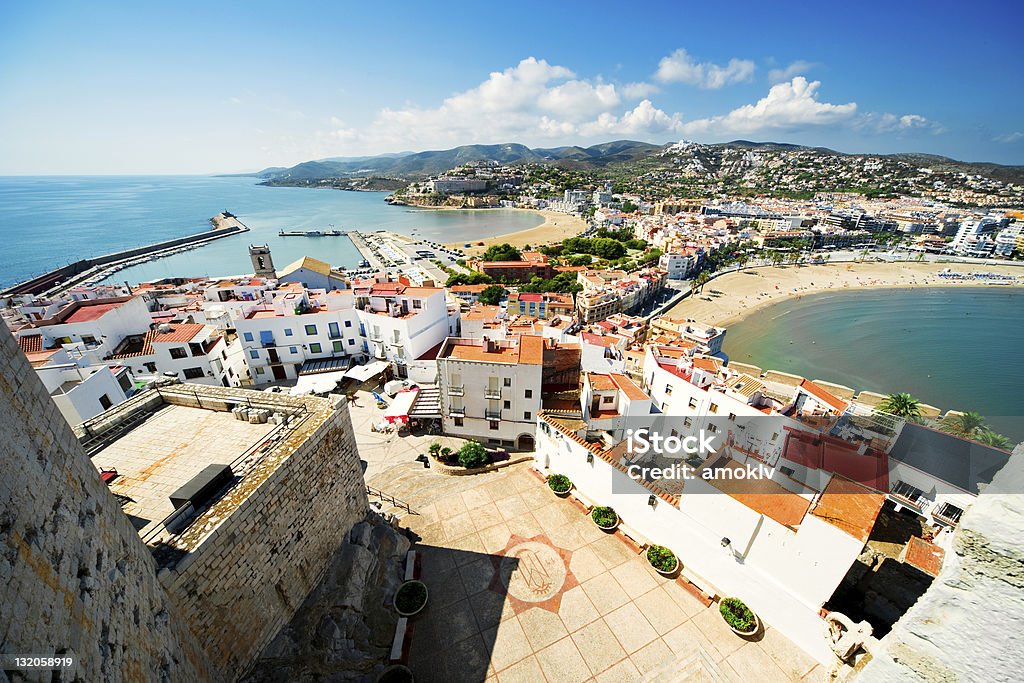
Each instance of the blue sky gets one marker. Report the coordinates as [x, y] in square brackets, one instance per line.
[111, 88]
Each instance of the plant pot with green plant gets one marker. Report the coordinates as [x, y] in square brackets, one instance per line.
[410, 598]
[560, 484]
[740, 618]
[605, 518]
[663, 560]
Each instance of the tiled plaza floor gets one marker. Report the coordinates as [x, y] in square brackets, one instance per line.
[524, 587]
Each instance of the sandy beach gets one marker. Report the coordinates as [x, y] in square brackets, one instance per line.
[727, 299]
[555, 228]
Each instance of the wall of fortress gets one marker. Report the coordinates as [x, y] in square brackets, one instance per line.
[76, 576]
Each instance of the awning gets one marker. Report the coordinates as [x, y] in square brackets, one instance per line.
[398, 411]
[321, 383]
[363, 373]
[319, 365]
[428, 404]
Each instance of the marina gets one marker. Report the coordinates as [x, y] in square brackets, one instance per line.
[311, 233]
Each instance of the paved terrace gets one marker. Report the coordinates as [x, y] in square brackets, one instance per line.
[167, 450]
[524, 587]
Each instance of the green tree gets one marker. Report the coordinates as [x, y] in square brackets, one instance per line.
[492, 296]
[502, 252]
[991, 438]
[965, 425]
[702, 278]
[473, 278]
[901, 405]
[473, 454]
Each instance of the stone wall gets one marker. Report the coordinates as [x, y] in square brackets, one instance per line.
[254, 557]
[968, 625]
[75, 576]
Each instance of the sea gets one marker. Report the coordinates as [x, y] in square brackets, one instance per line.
[954, 348]
[46, 222]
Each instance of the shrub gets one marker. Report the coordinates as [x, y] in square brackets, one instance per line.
[661, 558]
[434, 449]
[473, 455]
[445, 454]
[604, 516]
[410, 597]
[559, 483]
[737, 614]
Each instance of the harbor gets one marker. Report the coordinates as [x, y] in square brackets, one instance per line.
[311, 233]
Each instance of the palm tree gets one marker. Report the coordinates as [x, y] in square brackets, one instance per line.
[901, 405]
[990, 438]
[965, 425]
[702, 279]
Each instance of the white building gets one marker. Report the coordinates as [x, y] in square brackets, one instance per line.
[80, 390]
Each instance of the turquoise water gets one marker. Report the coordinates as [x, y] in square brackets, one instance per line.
[47, 222]
[957, 348]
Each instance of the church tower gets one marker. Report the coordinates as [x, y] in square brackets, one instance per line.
[262, 263]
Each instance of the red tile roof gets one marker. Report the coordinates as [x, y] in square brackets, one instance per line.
[832, 400]
[849, 506]
[184, 332]
[31, 343]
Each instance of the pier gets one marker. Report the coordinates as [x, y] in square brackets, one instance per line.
[59, 279]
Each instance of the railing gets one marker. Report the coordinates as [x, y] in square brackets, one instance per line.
[457, 391]
[388, 498]
[461, 412]
[492, 394]
[492, 414]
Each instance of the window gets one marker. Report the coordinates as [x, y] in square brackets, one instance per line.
[607, 399]
[315, 348]
[507, 405]
[493, 424]
[348, 323]
[310, 329]
[179, 352]
[88, 339]
[293, 350]
[287, 331]
[459, 421]
[333, 330]
[905, 490]
[254, 354]
[526, 415]
[192, 373]
[105, 401]
[351, 342]
[150, 367]
[788, 471]
[712, 428]
[396, 336]
[687, 422]
[668, 389]
[693, 403]
[338, 346]
[775, 435]
[507, 382]
[416, 303]
[259, 370]
[732, 416]
[713, 408]
[247, 336]
[949, 513]
[529, 393]
[675, 433]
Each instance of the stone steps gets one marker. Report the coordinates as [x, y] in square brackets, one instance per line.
[688, 668]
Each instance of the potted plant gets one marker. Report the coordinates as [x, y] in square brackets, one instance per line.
[740, 618]
[410, 598]
[605, 518]
[560, 484]
[663, 560]
[396, 673]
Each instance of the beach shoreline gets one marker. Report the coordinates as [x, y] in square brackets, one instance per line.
[555, 228]
[732, 297]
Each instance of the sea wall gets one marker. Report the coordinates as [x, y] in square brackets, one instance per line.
[967, 626]
[76, 577]
[244, 581]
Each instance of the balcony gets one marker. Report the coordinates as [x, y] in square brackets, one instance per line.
[457, 391]
[492, 394]
[457, 412]
[492, 414]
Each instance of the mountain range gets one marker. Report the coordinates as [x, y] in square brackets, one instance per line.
[417, 165]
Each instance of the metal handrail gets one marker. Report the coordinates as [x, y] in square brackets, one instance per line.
[388, 498]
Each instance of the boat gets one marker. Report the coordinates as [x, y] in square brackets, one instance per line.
[310, 233]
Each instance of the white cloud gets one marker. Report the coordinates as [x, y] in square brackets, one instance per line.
[644, 120]
[1009, 138]
[892, 123]
[579, 99]
[787, 106]
[634, 91]
[798, 68]
[680, 67]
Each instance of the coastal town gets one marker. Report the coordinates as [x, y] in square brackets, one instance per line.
[528, 362]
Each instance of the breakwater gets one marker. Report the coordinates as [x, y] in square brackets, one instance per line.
[53, 281]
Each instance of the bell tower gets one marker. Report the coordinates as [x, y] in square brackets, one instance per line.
[262, 263]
